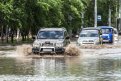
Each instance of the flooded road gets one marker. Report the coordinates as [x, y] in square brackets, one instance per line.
[91, 65]
[60, 69]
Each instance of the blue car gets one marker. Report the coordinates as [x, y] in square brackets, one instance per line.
[107, 33]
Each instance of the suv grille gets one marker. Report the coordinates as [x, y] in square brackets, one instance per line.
[47, 44]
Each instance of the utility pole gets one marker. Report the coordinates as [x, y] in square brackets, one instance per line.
[109, 17]
[95, 9]
[82, 14]
[119, 24]
[116, 25]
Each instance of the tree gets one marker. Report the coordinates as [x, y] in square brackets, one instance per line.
[6, 11]
[72, 10]
[103, 10]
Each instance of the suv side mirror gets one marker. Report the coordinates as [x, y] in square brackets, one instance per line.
[77, 36]
[67, 37]
[33, 37]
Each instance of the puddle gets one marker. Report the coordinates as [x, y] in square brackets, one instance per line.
[60, 69]
[103, 64]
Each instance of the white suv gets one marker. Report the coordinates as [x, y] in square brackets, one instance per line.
[90, 35]
[51, 40]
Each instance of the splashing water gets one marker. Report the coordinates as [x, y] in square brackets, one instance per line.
[72, 50]
[100, 46]
[23, 50]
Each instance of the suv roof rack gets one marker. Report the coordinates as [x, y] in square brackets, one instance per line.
[52, 27]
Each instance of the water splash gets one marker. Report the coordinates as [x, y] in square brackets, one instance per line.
[23, 50]
[100, 46]
[72, 50]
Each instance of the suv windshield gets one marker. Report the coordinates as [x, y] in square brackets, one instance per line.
[89, 33]
[50, 35]
[106, 30]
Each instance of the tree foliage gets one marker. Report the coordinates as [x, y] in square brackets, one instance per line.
[31, 15]
[103, 10]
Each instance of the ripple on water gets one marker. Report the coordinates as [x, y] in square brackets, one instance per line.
[68, 69]
[37, 78]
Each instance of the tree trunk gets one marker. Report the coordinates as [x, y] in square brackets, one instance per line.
[12, 38]
[25, 37]
[12, 35]
[7, 34]
[2, 34]
[18, 31]
[22, 37]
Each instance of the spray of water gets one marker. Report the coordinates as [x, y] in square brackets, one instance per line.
[72, 50]
[26, 50]
[23, 50]
[92, 46]
[100, 46]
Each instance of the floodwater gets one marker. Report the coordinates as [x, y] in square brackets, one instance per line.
[91, 65]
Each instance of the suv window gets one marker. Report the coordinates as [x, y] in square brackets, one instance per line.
[106, 31]
[50, 35]
[89, 33]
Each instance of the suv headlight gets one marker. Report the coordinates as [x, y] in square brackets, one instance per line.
[36, 45]
[59, 44]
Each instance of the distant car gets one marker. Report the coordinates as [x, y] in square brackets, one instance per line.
[89, 35]
[51, 40]
[116, 36]
[107, 33]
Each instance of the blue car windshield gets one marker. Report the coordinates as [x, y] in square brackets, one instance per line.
[106, 31]
[89, 33]
[50, 35]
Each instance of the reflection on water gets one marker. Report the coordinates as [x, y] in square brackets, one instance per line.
[9, 66]
[60, 69]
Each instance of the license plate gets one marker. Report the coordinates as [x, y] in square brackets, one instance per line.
[47, 50]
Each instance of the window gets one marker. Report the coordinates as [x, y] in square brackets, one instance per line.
[50, 35]
[89, 33]
[106, 30]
